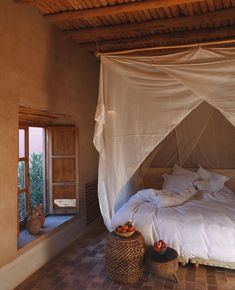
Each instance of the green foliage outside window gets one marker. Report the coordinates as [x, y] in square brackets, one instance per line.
[21, 196]
[36, 181]
[22, 209]
[21, 177]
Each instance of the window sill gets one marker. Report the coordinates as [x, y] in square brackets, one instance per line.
[52, 224]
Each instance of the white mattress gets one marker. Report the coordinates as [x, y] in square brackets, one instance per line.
[202, 227]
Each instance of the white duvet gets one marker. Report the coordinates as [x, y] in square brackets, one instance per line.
[203, 226]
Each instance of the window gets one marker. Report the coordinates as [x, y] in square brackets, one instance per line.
[63, 169]
[48, 169]
[31, 169]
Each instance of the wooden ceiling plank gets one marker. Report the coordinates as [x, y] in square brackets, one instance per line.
[190, 9]
[161, 13]
[211, 5]
[142, 16]
[184, 10]
[168, 12]
[131, 18]
[219, 4]
[171, 38]
[44, 7]
[120, 18]
[204, 7]
[152, 25]
[148, 15]
[196, 8]
[175, 11]
[154, 13]
[74, 4]
[227, 3]
[112, 9]
[33, 2]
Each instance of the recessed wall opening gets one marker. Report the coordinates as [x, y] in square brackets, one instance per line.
[47, 172]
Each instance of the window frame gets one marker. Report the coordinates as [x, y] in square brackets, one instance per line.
[48, 197]
[26, 172]
[50, 182]
[26, 160]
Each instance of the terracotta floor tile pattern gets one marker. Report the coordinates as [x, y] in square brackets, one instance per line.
[81, 267]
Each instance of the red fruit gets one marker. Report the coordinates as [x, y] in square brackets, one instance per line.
[159, 245]
[162, 243]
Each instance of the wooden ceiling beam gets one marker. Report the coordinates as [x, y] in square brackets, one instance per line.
[113, 9]
[102, 33]
[194, 36]
[33, 2]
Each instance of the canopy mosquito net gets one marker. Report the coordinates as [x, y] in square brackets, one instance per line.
[159, 110]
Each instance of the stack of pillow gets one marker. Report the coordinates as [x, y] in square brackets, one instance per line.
[183, 184]
[210, 181]
[178, 187]
[182, 179]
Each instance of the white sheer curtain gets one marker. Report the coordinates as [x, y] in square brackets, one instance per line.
[142, 99]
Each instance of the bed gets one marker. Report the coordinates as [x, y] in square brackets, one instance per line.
[201, 229]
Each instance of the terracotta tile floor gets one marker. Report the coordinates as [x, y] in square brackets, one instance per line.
[81, 267]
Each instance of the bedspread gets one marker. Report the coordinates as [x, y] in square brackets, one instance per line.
[202, 227]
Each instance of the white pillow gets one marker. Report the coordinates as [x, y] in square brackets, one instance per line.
[205, 174]
[167, 199]
[209, 185]
[177, 183]
[148, 194]
[178, 170]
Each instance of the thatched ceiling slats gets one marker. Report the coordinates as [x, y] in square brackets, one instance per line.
[162, 25]
[121, 24]
[100, 10]
[165, 39]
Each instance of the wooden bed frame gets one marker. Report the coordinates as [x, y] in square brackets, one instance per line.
[152, 178]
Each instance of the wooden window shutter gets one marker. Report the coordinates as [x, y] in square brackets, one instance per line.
[62, 167]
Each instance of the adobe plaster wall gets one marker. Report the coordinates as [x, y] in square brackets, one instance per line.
[40, 69]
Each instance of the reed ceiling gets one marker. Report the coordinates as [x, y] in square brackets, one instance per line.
[111, 25]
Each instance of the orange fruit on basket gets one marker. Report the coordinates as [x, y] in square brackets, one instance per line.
[126, 230]
[125, 227]
[119, 229]
[131, 229]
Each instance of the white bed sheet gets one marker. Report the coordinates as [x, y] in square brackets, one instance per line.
[202, 227]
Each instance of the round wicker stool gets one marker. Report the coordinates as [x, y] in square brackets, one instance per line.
[124, 257]
[162, 265]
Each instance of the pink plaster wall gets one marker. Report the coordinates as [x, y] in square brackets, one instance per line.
[40, 69]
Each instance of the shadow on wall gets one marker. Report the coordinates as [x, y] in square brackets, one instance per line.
[71, 80]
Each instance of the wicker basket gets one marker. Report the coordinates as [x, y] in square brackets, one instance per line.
[124, 257]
